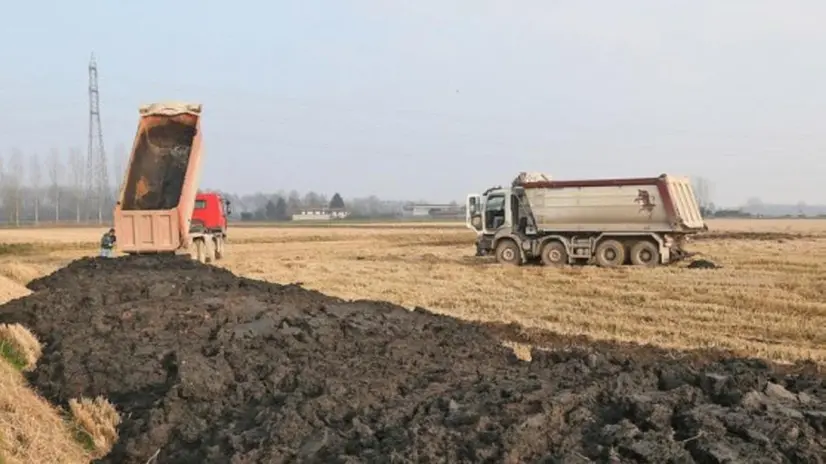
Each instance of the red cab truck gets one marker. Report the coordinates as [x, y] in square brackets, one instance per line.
[159, 209]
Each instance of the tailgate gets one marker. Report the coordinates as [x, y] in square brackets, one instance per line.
[685, 203]
[147, 231]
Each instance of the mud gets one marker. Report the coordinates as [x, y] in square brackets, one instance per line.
[208, 367]
[703, 264]
[161, 159]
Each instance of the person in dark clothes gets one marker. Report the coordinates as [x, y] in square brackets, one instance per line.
[107, 243]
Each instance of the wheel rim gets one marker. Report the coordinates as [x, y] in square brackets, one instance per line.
[610, 254]
[646, 256]
[508, 254]
[554, 256]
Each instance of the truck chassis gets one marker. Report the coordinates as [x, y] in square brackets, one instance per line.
[608, 249]
[208, 247]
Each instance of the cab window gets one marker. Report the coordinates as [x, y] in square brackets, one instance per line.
[200, 204]
[494, 211]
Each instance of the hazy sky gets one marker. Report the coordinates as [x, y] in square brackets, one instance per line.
[436, 99]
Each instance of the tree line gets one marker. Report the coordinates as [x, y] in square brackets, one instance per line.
[53, 189]
[35, 189]
[282, 205]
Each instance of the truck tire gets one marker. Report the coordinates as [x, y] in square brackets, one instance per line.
[645, 253]
[200, 250]
[554, 254]
[610, 253]
[219, 248]
[507, 252]
[210, 251]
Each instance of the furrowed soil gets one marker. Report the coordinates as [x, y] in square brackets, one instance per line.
[205, 366]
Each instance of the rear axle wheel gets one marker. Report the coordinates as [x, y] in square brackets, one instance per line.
[645, 253]
[508, 253]
[610, 253]
[219, 248]
[200, 250]
[554, 254]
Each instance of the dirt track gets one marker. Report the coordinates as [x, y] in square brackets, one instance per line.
[209, 367]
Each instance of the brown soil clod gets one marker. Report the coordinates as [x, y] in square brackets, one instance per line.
[209, 367]
[703, 264]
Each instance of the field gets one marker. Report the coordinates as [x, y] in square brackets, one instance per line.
[767, 300]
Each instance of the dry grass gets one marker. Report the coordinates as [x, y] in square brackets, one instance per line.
[19, 346]
[98, 420]
[31, 430]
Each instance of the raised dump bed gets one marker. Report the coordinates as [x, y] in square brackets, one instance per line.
[154, 210]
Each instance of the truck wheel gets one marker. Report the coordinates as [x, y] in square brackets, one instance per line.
[508, 253]
[219, 248]
[210, 251]
[554, 254]
[645, 253]
[200, 250]
[610, 253]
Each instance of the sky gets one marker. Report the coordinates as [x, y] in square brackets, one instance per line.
[433, 100]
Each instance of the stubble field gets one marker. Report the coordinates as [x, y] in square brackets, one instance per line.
[259, 372]
[767, 300]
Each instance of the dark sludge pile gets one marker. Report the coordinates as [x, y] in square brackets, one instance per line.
[207, 367]
[164, 153]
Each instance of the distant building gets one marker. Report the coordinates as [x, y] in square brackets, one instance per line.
[420, 210]
[320, 214]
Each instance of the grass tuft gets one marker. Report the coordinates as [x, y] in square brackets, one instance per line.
[97, 421]
[19, 346]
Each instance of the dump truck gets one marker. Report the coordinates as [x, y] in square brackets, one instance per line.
[608, 222]
[209, 216]
[159, 193]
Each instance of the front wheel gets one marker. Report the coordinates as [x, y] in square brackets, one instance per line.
[508, 253]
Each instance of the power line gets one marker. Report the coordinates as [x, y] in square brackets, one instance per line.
[97, 173]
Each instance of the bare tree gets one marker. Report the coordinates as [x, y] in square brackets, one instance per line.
[55, 176]
[118, 162]
[15, 181]
[702, 191]
[34, 181]
[77, 168]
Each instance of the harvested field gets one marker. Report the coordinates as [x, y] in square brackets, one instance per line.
[209, 367]
[767, 300]
[434, 380]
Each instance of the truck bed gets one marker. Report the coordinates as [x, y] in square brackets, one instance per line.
[655, 204]
[155, 205]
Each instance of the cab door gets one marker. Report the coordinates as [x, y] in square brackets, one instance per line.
[473, 213]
